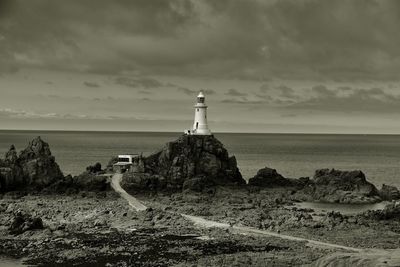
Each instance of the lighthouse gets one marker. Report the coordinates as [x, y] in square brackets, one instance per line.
[200, 126]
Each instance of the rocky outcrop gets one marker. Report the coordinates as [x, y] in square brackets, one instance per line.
[192, 162]
[268, 177]
[33, 168]
[389, 192]
[341, 187]
[333, 186]
[24, 222]
[390, 212]
[90, 180]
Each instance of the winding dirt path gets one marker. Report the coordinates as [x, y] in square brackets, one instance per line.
[133, 202]
[201, 222]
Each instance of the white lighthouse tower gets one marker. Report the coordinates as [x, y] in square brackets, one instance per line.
[200, 126]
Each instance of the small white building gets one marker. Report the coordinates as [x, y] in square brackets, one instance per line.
[124, 162]
[200, 125]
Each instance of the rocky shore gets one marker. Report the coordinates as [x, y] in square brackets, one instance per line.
[48, 218]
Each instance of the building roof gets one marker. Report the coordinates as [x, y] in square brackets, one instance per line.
[122, 163]
[200, 94]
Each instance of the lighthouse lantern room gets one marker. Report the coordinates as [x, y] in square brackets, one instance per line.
[200, 126]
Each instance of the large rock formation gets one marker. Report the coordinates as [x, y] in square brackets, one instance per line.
[327, 186]
[342, 187]
[389, 192]
[268, 177]
[192, 162]
[34, 168]
[93, 179]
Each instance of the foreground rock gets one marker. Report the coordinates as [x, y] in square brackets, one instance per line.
[24, 222]
[35, 167]
[190, 163]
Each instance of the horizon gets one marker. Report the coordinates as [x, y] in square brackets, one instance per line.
[176, 132]
[141, 67]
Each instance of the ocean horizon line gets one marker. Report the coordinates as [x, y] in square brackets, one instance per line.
[215, 132]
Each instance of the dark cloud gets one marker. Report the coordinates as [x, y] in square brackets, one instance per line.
[234, 92]
[265, 97]
[286, 92]
[91, 84]
[140, 82]
[345, 88]
[323, 91]
[186, 91]
[294, 39]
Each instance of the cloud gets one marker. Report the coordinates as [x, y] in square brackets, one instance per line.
[145, 92]
[323, 91]
[20, 113]
[265, 88]
[286, 92]
[140, 82]
[186, 91]
[234, 92]
[303, 39]
[208, 91]
[241, 101]
[371, 100]
[91, 84]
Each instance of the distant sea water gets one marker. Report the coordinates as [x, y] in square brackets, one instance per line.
[293, 155]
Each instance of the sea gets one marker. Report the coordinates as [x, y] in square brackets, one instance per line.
[292, 155]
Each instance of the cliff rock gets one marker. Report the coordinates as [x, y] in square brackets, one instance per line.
[342, 187]
[268, 177]
[191, 162]
[35, 167]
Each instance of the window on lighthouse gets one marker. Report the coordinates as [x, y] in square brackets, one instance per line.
[197, 110]
[197, 125]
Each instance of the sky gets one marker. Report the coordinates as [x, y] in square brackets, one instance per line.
[289, 66]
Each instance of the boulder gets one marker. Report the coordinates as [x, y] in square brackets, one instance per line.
[389, 192]
[268, 177]
[24, 222]
[96, 168]
[35, 167]
[192, 162]
[342, 187]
